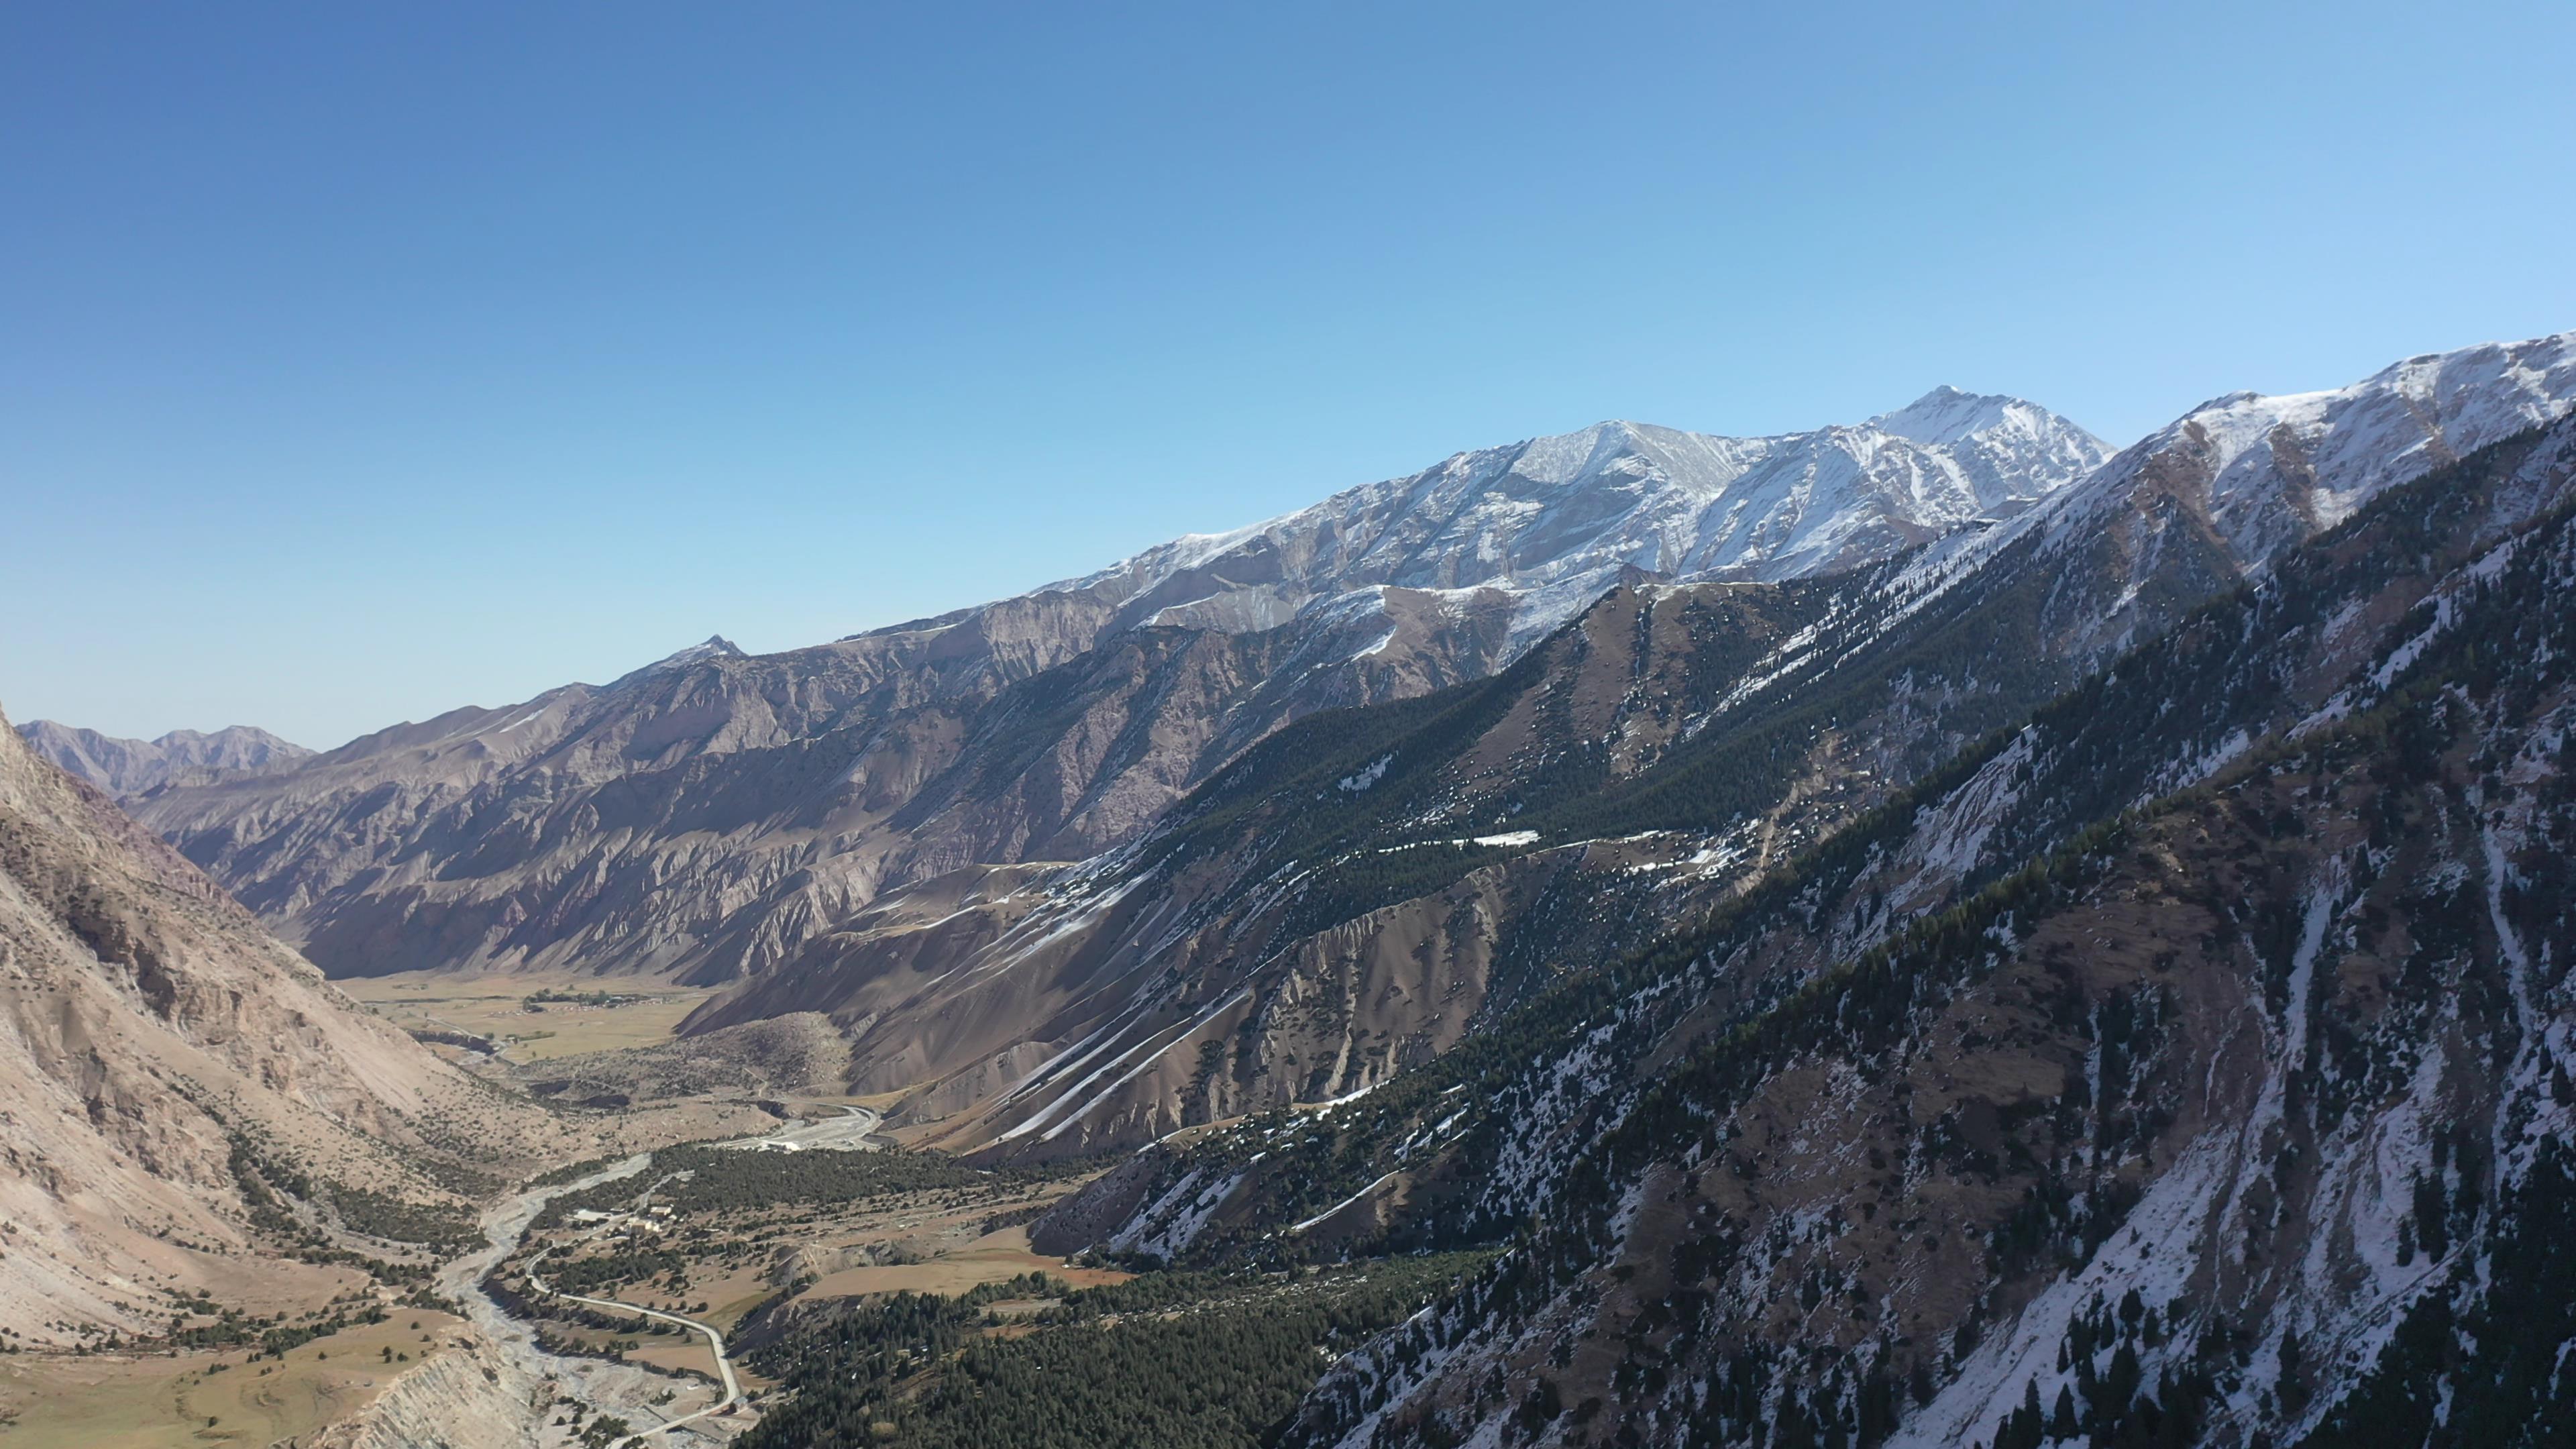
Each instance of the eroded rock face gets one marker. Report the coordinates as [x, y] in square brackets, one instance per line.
[705, 817]
[469, 1393]
[148, 1025]
[1067, 1009]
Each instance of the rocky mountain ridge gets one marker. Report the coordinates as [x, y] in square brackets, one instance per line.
[125, 768]
[709, 814]
[191, 1108]
[160, 1054]
[1556, 521]
[1364, 889]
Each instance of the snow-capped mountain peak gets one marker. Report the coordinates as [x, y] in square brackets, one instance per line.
[2217, 494]
[1946, 414]
[1552, 522]
[2269, 470]
[714, 646]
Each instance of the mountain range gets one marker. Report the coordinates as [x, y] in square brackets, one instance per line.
[2184, 1061]
[708, 814]
[825, 827]
[130, 767]
[1930, 932]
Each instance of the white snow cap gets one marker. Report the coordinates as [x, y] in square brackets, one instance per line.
[1551, 523]
[1946, 415]
[2271, 470]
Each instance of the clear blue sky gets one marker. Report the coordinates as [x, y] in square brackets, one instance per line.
[358, 361]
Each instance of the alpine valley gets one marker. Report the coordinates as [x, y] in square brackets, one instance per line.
[1937, 931]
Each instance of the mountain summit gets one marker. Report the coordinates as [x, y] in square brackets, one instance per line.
[1554, 521]
[2264, 471]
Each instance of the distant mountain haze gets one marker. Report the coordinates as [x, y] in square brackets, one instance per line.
[130, 767]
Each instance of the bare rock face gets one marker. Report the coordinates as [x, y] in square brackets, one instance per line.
[704, 816]
[468, 1394]
[151, 1032]
[710, 814]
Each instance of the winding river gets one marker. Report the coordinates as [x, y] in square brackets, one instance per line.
[613, 1389]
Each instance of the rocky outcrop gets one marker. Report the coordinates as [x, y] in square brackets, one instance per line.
[470, 1396]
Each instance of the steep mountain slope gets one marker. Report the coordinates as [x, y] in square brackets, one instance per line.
[2232, 482]
[1364, 888]
[2186, 1066]
[709, 814]
[185, 1099]
[129, 767]
[1011, 987]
